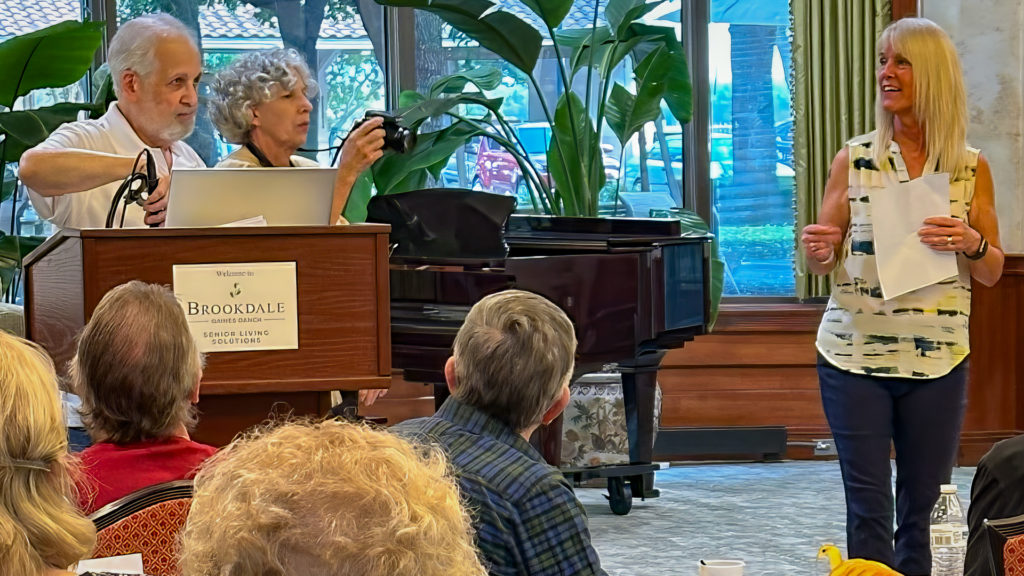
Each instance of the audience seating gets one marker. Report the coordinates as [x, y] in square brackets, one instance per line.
[148, 522]
[12, 319]
[1006, 545]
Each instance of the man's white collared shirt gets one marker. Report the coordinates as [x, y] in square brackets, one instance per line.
[112, 134]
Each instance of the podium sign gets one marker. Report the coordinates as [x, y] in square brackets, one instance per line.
[239, 306]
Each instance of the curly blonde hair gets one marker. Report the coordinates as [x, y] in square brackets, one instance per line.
[319, 499]
[40, 526]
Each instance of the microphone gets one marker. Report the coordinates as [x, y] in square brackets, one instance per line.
[135, 188]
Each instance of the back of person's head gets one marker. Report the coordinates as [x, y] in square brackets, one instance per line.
[513, 355]
[40, 528]
[327, 498]
[133, 46]
[137, 366]
[940, 99]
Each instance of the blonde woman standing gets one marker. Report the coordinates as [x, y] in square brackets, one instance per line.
[894, 371]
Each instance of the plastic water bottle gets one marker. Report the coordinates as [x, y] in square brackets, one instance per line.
[948, 534]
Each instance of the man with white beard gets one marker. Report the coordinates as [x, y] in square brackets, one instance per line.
[74, 174]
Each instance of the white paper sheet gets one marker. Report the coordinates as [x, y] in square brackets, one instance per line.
[253, 221]
[897, 212]
[129, 564]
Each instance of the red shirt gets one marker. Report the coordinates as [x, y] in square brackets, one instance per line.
[113, 471]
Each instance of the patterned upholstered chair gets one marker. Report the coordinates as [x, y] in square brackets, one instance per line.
[1006, 545]
[148, 522]
[12, 319]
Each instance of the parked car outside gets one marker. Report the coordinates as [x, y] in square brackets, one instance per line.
[721, 168]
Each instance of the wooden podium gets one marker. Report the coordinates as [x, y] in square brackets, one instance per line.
[343, 296]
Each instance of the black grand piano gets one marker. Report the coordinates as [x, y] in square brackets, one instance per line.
[633, 288]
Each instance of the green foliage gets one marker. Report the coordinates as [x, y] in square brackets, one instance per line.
[52, 57]
[352, 84]
[575, 159]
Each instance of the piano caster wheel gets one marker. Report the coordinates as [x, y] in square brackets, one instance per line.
[620, 496]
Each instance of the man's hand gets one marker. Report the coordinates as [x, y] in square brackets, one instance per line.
[156, 204]
[368, 397]
[363, 147]
[820, 241]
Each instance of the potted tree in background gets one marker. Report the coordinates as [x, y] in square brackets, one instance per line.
[52, 57]
[570, 182]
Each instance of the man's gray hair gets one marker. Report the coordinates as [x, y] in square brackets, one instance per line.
[134, 45]
[136, 366]
[513, 355]
[253, 79]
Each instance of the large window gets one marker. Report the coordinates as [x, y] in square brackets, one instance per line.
[338, 45]
[748, 182]
[749, 126]
[16, 18]
[751, 144]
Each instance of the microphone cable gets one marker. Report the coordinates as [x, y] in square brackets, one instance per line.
[135, 188]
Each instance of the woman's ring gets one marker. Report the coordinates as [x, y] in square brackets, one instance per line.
[949, 240]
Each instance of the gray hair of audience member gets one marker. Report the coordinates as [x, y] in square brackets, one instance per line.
[253, 79]
[134, 45]
[513, 355]
[137, 366]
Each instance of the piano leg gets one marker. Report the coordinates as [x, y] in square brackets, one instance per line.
[639, 390]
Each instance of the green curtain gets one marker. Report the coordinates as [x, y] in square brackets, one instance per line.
[834, 64]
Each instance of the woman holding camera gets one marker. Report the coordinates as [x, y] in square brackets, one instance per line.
[261, 101]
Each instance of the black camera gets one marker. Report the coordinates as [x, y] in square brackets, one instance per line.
[396, 137]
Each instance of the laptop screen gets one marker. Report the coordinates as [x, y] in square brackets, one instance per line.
[222, 196]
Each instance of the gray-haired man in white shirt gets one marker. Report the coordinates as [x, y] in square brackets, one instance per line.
[73, 175]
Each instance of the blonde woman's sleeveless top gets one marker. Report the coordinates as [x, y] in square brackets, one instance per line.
[920, 334]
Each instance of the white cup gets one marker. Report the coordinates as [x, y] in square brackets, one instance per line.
[721, 567]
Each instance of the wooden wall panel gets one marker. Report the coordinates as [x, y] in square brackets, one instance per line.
[404, 401]
[757, 369]
[904, 9]
[995, 395]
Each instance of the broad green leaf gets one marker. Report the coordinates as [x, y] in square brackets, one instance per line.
[23, 129]
[434, 107]
[627, 113]
[102, 90]
[394, 172]
[552, 12]
[484, 78]
[7, 187]
[605, 44]
[52, 57]
[409, 98]
[574, 146]
[678, 90]
[621, 13]
[616, 12]
[12, 250]
[362, 190]
[501, 32]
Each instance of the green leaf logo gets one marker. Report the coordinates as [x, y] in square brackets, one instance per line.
[235, 291]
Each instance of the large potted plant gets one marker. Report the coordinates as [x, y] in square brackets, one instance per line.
[52, 57]
[574, 159]
[571, 180]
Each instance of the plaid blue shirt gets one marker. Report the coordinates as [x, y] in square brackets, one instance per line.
[527, 519]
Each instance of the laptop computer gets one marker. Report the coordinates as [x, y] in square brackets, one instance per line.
[220, 196]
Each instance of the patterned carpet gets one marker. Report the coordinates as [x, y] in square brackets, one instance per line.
[773, 516]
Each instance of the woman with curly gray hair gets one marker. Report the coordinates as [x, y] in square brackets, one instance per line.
[261, 101]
